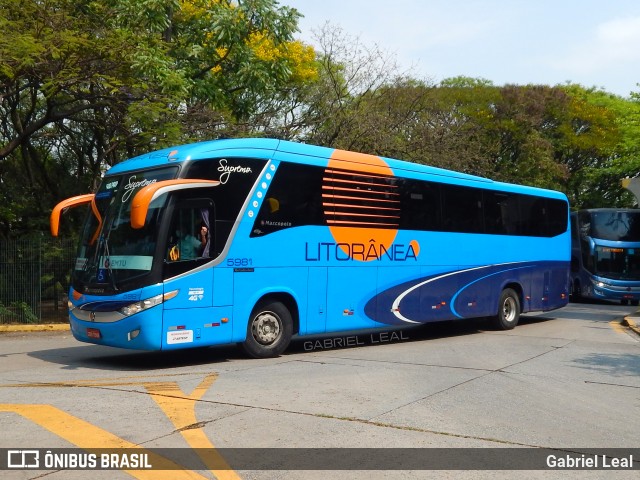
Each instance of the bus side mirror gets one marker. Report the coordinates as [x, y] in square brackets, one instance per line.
[146, 195]
[56, 213]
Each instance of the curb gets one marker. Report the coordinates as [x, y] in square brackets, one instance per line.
[47, 327]
[631, 323]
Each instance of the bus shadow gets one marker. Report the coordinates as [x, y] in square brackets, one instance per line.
[107, 358]
[99, 357]
[596, 301]
[533, 320]
[376, 337]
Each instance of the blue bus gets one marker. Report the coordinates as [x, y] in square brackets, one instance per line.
[605, 254]
[253, 241]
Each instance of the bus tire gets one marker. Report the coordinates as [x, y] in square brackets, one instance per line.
[508, 310]
[269, 330]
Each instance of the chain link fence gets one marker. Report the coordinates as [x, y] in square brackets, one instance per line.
[34, 280]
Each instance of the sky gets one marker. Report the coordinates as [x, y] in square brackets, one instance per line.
[595, 43]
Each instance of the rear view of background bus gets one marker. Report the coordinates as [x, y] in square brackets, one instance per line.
[304, 240]
[605, 260]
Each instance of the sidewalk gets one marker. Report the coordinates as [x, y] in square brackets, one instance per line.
[45, 327]
[633, 322]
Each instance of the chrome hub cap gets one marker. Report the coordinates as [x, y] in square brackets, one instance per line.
[509, 310]
[266, 328]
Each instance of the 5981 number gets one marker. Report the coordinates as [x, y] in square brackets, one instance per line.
[239, 262]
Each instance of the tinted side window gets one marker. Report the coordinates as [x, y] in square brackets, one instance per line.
[532, 216]
[462, 209]
[557, 213]
[236, 176]
[542, 217]
[308, 195]
[420, 205]
[292, 200]
[501, 213]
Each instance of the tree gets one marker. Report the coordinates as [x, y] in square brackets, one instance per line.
[333, 108]
[524, 120]
[69, 102]
[608, 136]
[83, 86]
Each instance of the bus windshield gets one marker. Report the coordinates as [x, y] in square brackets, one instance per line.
[618, 263]
[616, 225]
[110, 251]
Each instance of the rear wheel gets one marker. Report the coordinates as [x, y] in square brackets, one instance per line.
[269, 330]
[508, 310]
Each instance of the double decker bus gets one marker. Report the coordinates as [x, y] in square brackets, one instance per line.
[304, 240]
[605, 257]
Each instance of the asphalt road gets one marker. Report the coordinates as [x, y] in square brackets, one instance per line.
[561, 382]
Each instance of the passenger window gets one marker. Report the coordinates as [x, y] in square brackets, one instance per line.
[293, 199]
[462, 209]
[420, 205]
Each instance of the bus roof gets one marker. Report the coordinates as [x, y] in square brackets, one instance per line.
[193, 151]
[303, 153]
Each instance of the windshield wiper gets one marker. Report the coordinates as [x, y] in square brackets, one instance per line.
[107, 260]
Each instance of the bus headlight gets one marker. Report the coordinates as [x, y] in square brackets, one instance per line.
[142, 305]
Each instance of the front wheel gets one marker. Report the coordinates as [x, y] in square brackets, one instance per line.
[508, 310]
[269, 330]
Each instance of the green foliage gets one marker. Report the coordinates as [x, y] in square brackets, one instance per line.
[84, 85]
[549, 137]
[17, 311]
[607, 129]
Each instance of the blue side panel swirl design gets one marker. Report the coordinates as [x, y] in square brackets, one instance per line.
[470, 292]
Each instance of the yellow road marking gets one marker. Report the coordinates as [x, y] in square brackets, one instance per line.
[617, 326]
[178, 406]
[131, 380]
[181, 411]
[85, 435]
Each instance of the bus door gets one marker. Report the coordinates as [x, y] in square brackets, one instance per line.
[188, 318]
[316, 318]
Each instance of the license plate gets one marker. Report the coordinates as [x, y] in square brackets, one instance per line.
[93, 333]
